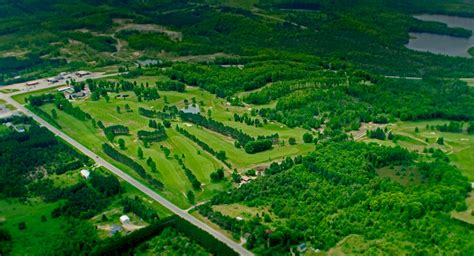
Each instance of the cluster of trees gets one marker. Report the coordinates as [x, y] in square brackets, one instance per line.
[39, 100]
[117, 156]
[217, 175]
[157, 135]
[60, 102]
[115, 130]
[189, 174]
[107, 185]
[170, 241]
[378, 133]
[6, 243]
[340, 182]
[451, 127]
[151, 164]
[147, 94]
[23, 154]
[134, 241]
[366, 42]
[256, 146]
[225, 81]
[99, 43]
[171, 86]
[438, 28]
[169, 112]
[250, 144]
[221, 155]
[216, 126]
[81, 202]
[286, 164]
[136, 206]
[346, 107]
[100, 88]
[248, 120]
[63, 104]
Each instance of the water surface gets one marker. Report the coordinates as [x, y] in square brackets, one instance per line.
[442, 44]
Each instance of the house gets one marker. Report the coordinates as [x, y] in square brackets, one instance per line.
[70, 94]
[246, 179]
[85, 173]
[32, 83]
[80, 94]
[82, 73]
[52, 80]
[124, 219]
[239, 218]
[65, 88]
[302, 247]
[115, 229]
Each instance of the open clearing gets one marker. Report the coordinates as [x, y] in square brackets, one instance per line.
[467, 215]
[458, 146]
[38, 235]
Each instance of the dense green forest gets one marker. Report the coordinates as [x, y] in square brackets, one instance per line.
[369, 34]
[327, 70]
[335, 192]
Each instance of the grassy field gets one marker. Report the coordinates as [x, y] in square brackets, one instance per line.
[403, 176]
[4, 130]
[38, 234]
[239, 158]
[169, 171]
[356, 244]
[21, 97]
[458, 146]
[8, 90]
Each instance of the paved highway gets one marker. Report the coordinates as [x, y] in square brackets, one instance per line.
[44, 84]
[155, 196]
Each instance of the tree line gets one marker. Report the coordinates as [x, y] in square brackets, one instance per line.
[117, 156]
[221, 155]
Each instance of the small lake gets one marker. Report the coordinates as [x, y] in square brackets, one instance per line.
[442, 44]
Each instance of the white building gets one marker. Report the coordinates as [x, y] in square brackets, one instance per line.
[124, 219]
[85, 173]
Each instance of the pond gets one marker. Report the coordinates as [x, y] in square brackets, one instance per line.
[442, 44]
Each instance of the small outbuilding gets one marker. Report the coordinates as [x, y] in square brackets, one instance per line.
[115, 229]
[32, 83]
[85, 173]
[82, 73]
[302, 247]
[245, 178]
[124, 219]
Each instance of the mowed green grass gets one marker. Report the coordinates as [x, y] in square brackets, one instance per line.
[238, 157]
[200, 162]
[38, 234]
[458, 146]
[169, 171]
[21, 97]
